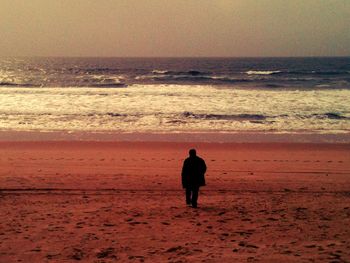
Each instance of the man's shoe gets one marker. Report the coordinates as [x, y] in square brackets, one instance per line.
[194, 205]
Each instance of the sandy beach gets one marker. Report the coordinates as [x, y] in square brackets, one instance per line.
[107, 201]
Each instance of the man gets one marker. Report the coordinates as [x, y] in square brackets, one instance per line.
[193, 171]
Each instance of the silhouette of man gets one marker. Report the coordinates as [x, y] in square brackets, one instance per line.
[193, 171]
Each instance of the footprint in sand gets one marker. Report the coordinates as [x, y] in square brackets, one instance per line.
[310, 246]
[106, 253]
[79, 225]
[248, 245]
[108, 224]
[272, 219]
[77, 254]
[225, 234]
[180, 250]
[335, 256]
[141, 258]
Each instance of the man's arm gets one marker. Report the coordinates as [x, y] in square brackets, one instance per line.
[183, 175]
[204, 166]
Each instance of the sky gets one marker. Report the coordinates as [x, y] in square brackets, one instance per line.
[175, 28]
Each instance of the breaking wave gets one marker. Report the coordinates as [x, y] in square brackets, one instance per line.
[157, 71]
[262, 72]
[191, 77]
[238, 117]
[174, 73]
[83, 83]
[332, 73]
[14, 84]
[331, 115]
[108, 85]
[261, 117]
[318, 72]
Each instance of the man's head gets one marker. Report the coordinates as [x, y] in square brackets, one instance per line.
[193, 153]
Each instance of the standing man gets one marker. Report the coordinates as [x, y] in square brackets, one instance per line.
[193, 171]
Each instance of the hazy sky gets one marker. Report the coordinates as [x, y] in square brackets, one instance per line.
[175, 27]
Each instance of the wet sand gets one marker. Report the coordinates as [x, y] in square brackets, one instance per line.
[103, 201]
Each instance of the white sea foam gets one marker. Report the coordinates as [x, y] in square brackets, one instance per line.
[262, 72]
[174, 108]
[9, 78]
[157, 71]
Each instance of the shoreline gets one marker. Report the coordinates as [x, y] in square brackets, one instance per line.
[209, 137]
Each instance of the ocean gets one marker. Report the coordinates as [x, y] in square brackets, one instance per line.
[172, 95]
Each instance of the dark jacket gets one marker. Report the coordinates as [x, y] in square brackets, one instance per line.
[193, 171]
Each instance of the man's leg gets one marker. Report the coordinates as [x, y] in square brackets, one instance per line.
[195, 196]
[188, 196]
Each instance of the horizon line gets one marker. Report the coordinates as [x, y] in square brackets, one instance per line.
[172, 57]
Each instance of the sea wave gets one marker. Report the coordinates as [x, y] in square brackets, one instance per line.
[88, 85]
[262, 72]
[103, 81]
[107, 85]
[213, 79]
[14, 84]
[113, 114]
[261, 117]
[158, 71]
[331, 115]
[238, 117]
[98, 70]
[317, 72]
[273, 85]
[189, 72]
[236, 73]
[296, 72]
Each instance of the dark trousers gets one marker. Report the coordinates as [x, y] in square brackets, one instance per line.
[192, 195]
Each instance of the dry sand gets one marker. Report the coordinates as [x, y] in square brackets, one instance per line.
[104, 202]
